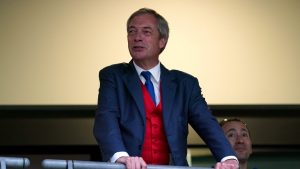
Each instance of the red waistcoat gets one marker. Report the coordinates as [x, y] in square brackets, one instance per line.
[155, 148]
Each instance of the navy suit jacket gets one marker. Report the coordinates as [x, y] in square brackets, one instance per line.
[120, 116]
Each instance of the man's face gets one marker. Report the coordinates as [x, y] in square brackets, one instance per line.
[239, 138]
[144, 42]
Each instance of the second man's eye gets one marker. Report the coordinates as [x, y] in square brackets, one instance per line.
[230, 135]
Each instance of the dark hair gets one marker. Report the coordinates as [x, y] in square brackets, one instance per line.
[225, 121]
[162, 24]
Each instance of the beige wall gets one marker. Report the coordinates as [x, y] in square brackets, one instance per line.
[243, 52]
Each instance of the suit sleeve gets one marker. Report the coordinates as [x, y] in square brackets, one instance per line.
[106, 125]
[206, 125]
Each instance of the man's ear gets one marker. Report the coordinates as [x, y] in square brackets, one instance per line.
[162, 43]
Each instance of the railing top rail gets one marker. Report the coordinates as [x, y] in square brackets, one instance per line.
[15, 162]
[75, 164]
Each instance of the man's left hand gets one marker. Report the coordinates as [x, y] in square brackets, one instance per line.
[227, 164]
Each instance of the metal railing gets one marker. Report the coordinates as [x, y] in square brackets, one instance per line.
[74, 164]
[15, 162]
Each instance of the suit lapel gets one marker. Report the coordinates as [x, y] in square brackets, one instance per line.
[133, 84]
[168, 89]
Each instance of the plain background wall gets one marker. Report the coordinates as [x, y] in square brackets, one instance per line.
[243, 52]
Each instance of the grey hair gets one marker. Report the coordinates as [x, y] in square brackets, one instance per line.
[162, 24]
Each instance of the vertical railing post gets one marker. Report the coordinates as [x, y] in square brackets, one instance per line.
[3, 164]
[70, 164]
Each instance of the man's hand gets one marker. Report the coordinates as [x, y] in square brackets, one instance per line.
[227, 164]
[132, 162]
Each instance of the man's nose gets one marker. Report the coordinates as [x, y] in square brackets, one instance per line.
[138, 36]
[240, 139]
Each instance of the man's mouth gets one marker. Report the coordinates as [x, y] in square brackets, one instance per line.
[239, 148]
[138, 48]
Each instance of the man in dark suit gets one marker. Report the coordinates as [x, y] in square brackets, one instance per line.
[144, 109]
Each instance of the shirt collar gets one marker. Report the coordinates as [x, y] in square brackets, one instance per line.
[155, 71]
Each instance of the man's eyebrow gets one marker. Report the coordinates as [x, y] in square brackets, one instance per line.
[147, 27]
[131, 27]
[144, 28]
[230, 130]
[243, 129]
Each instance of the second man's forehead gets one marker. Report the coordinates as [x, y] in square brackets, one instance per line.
[234, 129]
[235, 124]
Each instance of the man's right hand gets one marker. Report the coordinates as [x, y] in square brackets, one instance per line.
[132, 162]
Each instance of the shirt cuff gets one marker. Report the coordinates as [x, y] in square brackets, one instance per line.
[117, 155]
[229, 158]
